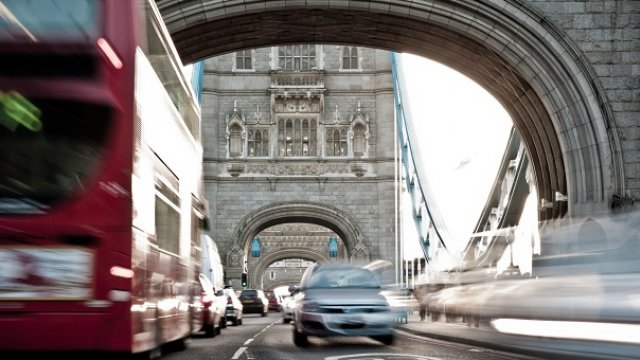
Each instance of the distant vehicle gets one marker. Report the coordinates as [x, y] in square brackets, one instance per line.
[234, 308]
[210, 262]
[401, 301]
[254, 301]
[212, 312]
[99, 208]
[275, 303]
[340, 300]
[584, 287]
[287, 309]
[211, 268]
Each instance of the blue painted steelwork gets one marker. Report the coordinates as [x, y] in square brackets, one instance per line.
[256, 247]
[197, 77]
[333, 246]
[429, 224]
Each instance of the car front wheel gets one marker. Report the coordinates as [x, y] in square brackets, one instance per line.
[300, 339]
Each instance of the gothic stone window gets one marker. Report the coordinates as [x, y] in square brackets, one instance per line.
[235, 140]
[258, 142]
[359, 140]
[350, 58]
[297, 57]
[297, 137]
[337, 142]
[243, 60]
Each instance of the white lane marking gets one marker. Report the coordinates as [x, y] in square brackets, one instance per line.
[238, 353]
[244, 348]
[368, 356]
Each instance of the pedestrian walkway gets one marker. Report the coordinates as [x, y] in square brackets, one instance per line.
[455, 332]
[544, 348]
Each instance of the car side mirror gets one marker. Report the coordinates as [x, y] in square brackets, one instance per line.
[294, 289]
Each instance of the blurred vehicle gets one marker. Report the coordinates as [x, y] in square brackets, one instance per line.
[210, 262]
[94, 252]
[402, 303]
[254, 301]
[234, 308]
[584, 289]
[275, 303]
[340, 300]
[221, 304]
[211, 268]
[212, 312]
[287, 309]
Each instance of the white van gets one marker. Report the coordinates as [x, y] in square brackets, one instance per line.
[211, 268]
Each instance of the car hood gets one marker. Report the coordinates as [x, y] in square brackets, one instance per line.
[345, 296]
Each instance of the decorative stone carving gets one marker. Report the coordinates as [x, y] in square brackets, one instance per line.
[360, 252]
[272, 183]
[285, 103]
[359, 133]
[234, 257]
[358, 168]
[235, 132]
[235, 168]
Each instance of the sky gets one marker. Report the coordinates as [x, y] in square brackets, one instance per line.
[462, 132]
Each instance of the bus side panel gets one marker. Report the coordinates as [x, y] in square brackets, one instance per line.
[167, 164]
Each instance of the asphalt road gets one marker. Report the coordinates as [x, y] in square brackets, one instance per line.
[267, 338]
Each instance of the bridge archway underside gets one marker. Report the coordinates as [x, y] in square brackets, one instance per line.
[257, 274]
[551, 93]
[357, 248]
[302, 212]
[533, 70]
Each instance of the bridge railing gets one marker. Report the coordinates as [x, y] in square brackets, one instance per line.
[430, 226]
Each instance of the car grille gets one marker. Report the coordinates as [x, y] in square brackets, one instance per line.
[358, 309]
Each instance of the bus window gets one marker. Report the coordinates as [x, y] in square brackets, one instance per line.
[41, 168]
[37, 21]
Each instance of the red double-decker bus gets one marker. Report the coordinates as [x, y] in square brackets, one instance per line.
[101, 192]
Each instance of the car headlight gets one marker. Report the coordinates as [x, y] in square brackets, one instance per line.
[310, 306]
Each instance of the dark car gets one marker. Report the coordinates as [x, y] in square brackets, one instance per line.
[254, 301]
[275, 303]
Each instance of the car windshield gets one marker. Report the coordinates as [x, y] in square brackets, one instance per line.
[343, 278]
[249, 294]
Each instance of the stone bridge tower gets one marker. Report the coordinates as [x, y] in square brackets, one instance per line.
[300, 134]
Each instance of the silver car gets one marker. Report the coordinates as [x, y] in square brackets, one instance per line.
[340, 300]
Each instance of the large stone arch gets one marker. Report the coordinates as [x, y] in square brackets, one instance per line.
[255, 277]
[302, 212]
[534, 70]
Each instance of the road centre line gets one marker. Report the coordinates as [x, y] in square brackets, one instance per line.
[242, 349]
[239, 352]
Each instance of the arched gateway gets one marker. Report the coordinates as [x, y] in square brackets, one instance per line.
[548, 74]
[357, 248]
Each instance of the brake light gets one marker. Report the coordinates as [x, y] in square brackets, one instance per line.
[229, 300]
[206, 300]
[122, 272]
